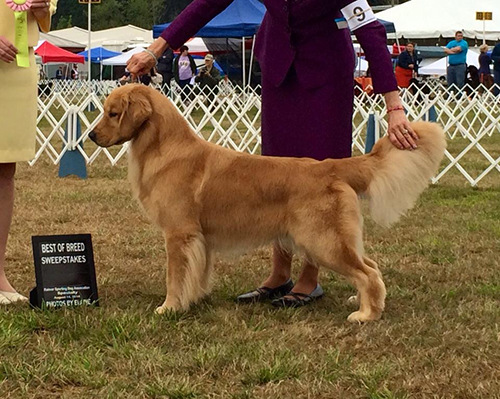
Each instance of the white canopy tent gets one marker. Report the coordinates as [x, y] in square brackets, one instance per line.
[74, 34]
[115, 39]
[439, 67]
[121, 60]
[197, 46]
[427, 19]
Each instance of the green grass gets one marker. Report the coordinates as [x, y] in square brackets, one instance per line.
[439, 336]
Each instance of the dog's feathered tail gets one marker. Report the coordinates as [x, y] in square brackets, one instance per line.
[393, 179]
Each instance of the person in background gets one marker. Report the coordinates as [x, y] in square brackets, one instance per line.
[184, 71]
[208, 77]
[485, 61]
[18, 114]
[59, 73]
[156, 78]
[74, 72]
[307, 96]
[457, 61]
[495, 56]
[165, 66]
[126, 78]
[407, 66]
[150, 77]
[41, 73]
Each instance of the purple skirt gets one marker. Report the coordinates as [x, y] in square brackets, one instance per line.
[314, 123]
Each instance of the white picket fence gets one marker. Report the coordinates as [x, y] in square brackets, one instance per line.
[69, 110]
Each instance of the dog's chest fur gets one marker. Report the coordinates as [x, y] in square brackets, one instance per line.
[135, 175]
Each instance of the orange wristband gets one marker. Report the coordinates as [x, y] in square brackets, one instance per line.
[398, 108]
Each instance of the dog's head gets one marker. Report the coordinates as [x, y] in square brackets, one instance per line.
[126, 111]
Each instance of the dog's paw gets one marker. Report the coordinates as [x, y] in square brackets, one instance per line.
[360, 317]
[170, 306]
[163, 309]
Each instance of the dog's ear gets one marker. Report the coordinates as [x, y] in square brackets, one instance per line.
[137, 105]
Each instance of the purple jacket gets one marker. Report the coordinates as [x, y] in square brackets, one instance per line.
[302, 33]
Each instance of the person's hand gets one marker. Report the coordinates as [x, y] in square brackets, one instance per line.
[140, 64]
[7, 50]
[411, 66]
[40, 8]
[400, 133]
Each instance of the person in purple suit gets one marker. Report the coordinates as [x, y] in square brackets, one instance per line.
[307, 59]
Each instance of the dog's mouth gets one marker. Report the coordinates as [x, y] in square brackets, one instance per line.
[120, 142]
[96, 140]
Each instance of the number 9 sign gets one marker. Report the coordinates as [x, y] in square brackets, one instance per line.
[358, 14]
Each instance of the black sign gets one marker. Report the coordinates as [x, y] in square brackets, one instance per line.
[65, 271]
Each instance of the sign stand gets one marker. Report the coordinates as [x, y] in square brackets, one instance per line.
[64, 271]
[484, 16]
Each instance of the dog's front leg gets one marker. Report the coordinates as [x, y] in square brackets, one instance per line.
[186, 259]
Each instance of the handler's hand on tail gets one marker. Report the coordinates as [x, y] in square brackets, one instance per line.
[400, 132]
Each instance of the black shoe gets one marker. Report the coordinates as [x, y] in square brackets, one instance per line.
[298, 299]
[263, 294]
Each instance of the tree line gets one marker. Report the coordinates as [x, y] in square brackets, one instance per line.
[143, 13]
[113, 13]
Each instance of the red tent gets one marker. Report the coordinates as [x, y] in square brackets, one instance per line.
[51, 53]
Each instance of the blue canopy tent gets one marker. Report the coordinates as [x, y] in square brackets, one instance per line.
[389, 26]
[241, 19]
[98, 55]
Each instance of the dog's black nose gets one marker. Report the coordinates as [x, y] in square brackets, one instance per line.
[92, 136]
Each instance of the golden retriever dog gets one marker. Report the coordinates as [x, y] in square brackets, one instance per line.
[209, 199]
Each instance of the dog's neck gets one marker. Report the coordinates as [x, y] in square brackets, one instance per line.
[162, 132]
[164, 140]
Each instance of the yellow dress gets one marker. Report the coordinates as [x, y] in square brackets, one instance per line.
[18, 91]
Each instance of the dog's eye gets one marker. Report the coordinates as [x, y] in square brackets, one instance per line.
[113, 114]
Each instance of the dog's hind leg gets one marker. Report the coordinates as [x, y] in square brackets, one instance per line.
[335, 241]
[186, 262]
[371, 289]
[366, 279]
[337, 252]
[369, 262]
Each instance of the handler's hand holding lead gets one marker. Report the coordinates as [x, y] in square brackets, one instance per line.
[400, 132]
[140, 64]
